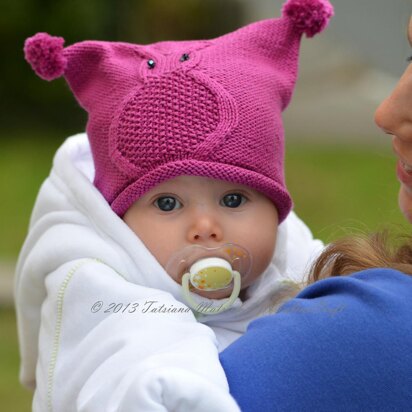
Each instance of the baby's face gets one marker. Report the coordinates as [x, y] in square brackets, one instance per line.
[194, 210]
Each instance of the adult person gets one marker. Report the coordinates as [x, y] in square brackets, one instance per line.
[344, 342]
[394, 116]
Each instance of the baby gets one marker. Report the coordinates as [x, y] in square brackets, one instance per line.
[164, 231]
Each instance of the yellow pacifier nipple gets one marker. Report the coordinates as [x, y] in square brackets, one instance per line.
[211, 274]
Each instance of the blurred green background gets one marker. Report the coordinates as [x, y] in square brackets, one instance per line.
[337, 188]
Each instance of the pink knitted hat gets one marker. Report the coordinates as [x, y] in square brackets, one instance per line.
[203, 107]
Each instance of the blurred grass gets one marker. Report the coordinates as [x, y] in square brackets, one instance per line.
[25, 161]
[13, 397]
[336, 189]
[341, 189]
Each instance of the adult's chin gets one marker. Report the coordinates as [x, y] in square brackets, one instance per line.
[405, 202]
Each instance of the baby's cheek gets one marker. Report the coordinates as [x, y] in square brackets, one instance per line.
[266, 249]
[267, 257]
[157, 246]
[261, 259]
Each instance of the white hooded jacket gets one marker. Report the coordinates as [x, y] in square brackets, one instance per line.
[101, 325]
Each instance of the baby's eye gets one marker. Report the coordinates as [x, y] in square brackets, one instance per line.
[167, 203]
[233, 200]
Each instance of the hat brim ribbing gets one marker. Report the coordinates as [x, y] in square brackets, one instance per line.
[275, 191]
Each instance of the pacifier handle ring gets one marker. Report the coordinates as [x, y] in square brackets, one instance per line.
[194, 305]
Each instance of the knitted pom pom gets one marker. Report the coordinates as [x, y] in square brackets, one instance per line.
[308, 16]
[45, 55]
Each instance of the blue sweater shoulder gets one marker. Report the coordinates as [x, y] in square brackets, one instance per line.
[343, 343]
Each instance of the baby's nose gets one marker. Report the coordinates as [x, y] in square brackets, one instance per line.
[205, 228]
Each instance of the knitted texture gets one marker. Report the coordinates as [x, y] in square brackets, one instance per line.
[203, 107]
[309, 16]
[45, 54]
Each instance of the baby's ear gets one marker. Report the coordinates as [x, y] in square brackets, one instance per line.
[45, 54]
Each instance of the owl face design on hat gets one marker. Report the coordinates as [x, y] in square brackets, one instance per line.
[202, 107]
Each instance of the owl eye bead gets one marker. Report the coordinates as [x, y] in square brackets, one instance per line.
[184, 57]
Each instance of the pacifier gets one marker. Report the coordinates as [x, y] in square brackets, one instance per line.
[205, 270]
